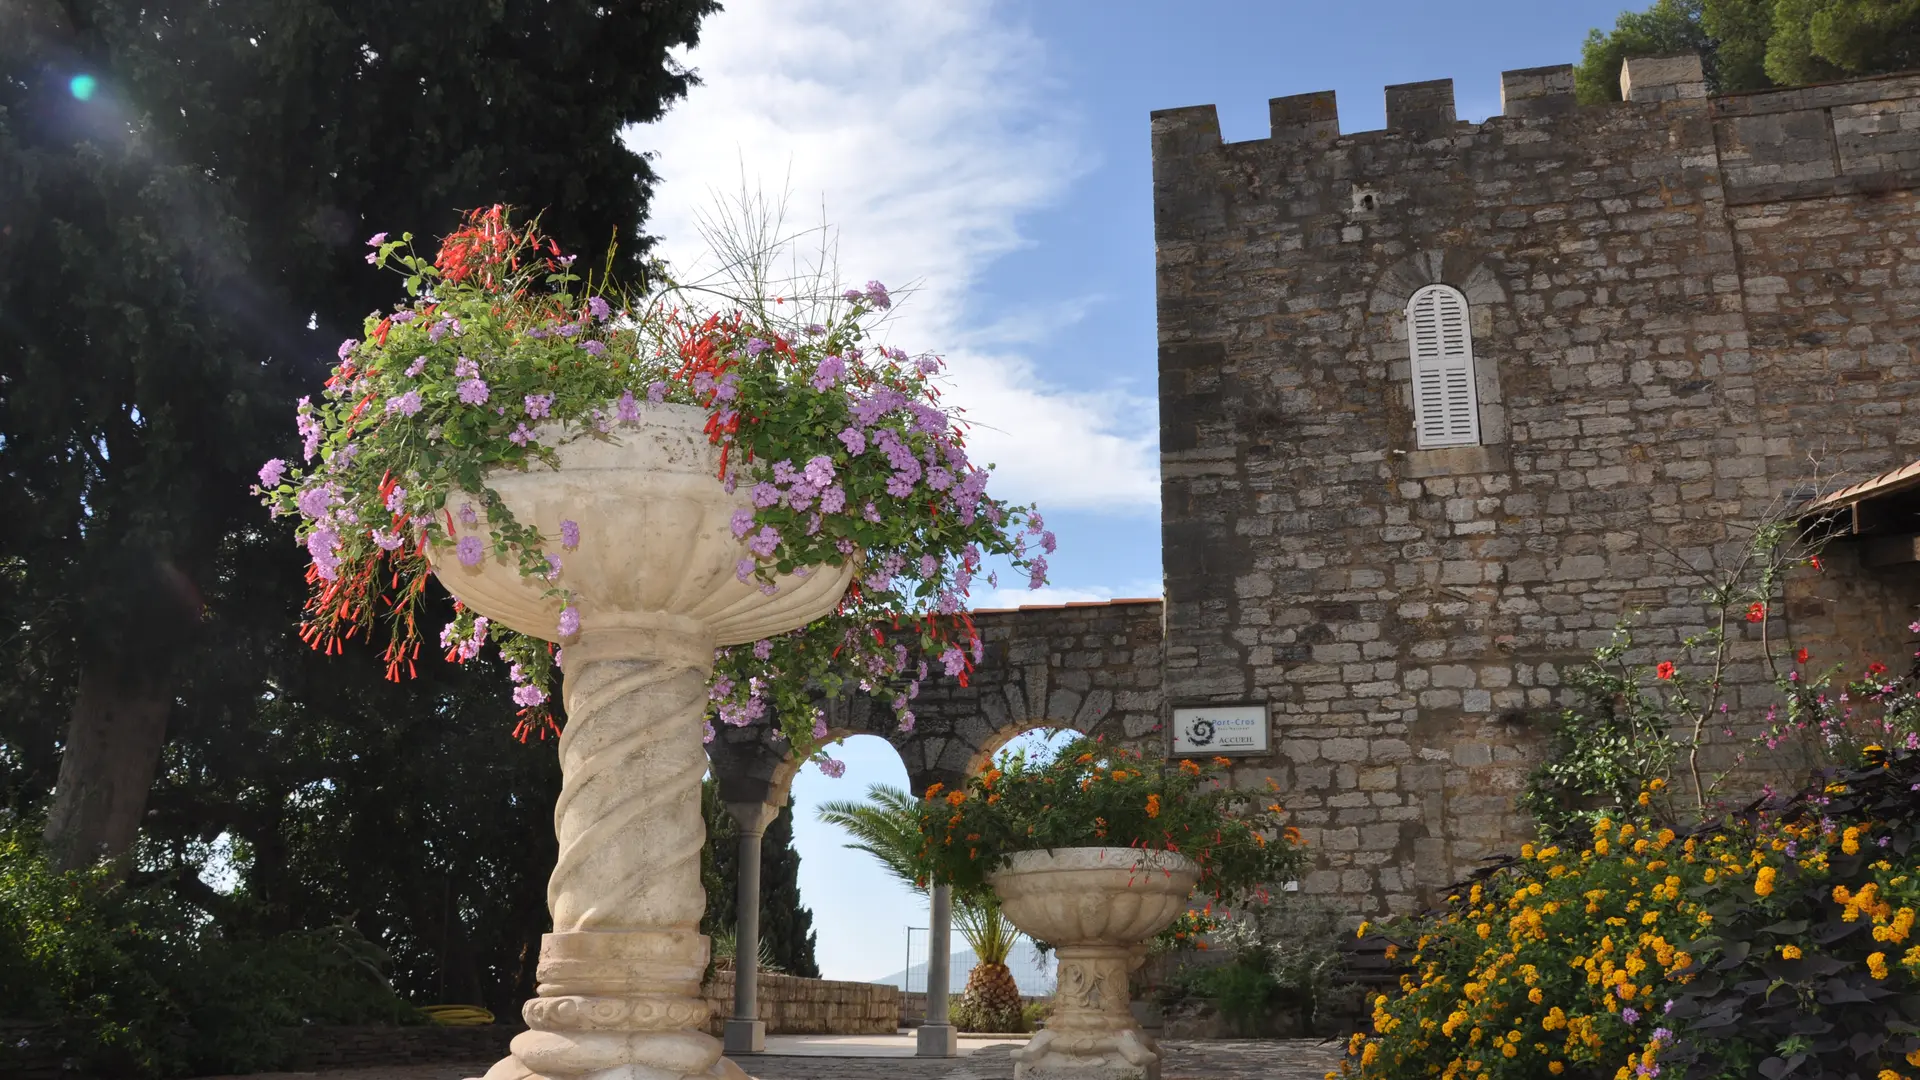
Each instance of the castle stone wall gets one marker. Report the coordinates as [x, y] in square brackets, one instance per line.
[1677, 303]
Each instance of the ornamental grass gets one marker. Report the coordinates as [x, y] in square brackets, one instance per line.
[1777, 942]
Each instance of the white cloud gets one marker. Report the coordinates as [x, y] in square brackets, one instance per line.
[923, 130]
[1005, 597]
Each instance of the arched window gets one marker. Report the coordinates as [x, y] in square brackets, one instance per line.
[1446, 407]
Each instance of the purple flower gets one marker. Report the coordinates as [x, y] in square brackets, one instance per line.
[871, 513]
[569, 533]
[310, 433]
[377, 239]
[323, 545]
[800, 497]
[755, 346]
[829, 373]
[1662, 1035]
[1630, 1015]
[833, 500]
[850, 294]
[407, 404]
[594, 348]
[1037, 573]
[852, 438]
[598, 308]
[927, 364]
[939, 479]
[765, 495]
[626, 410]
[473, 392]
[388, 541]
[396, 499]
[764, 541]
[272, 473]
[314, 502]
[419, 365]
[467, 516]
[706, 734]
[835, 769]
[819, 724]
[539, 405]
[521, 436]
[953, 660]
[877, 295]
[906, 721]
[657, 391]
[347, 347]
[569, 621]
[553, 566]
[470, 550]
[1048, 542]
[742, 523]
[762, 649]
[819, 471]
[743, 569]
[928, 566]
[528, 696]
[900, 485]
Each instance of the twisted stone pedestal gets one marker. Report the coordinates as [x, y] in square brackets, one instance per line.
[653, 576]
[1098, 906]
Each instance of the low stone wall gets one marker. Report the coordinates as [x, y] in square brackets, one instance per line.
[794, 1006]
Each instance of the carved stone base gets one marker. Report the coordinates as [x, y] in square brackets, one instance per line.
[1125, 1055]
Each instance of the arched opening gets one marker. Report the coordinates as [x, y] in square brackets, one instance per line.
[861, 911]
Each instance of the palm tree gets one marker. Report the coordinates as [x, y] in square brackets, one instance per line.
[884, 827]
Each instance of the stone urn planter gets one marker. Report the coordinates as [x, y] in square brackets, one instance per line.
[1097, 907]
[619, 976]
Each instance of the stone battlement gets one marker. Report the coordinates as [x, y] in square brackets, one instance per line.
[1861, 135]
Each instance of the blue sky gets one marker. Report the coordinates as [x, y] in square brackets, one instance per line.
[993, 156]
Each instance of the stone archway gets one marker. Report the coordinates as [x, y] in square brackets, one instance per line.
[1092, 667]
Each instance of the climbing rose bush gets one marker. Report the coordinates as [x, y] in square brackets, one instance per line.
[503, 352]
[1779, 942]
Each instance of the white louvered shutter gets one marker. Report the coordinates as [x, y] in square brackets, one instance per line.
[1446, 407]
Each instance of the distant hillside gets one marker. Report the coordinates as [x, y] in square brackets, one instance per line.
[1032, 976]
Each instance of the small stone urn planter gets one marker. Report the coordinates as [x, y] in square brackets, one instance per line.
[1098, 907]
[619, 976]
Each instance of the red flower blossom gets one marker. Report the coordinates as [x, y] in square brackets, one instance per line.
[1800, 657]
[1756, 611]
[1876, 668]
[1664, 670]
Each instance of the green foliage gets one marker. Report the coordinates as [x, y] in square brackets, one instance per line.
[130, 983]
[1777, 942]
[969, 1017]
[986, 931]
[1816, 40]
[1090, 794]
[1669, 26]
[1755, 44]
[1267, 954]
[885, 826]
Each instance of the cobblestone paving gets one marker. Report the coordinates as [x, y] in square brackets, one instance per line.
[1285, 1059]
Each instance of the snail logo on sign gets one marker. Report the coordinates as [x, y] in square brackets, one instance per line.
[1220, 729]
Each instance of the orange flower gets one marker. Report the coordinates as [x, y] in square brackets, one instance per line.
[1190, 768]
[955, 798]
[934, 790]
[1293, 835]
[1119, 774]
[1223, 762]
[1153, 805]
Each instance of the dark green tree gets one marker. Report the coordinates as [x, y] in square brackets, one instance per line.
[186, 190]
[1755, 44]
[786, 925]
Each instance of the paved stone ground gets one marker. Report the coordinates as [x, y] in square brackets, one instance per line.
[1282, 1059]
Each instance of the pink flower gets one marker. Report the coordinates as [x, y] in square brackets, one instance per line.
[272, 473]
[835, 769]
